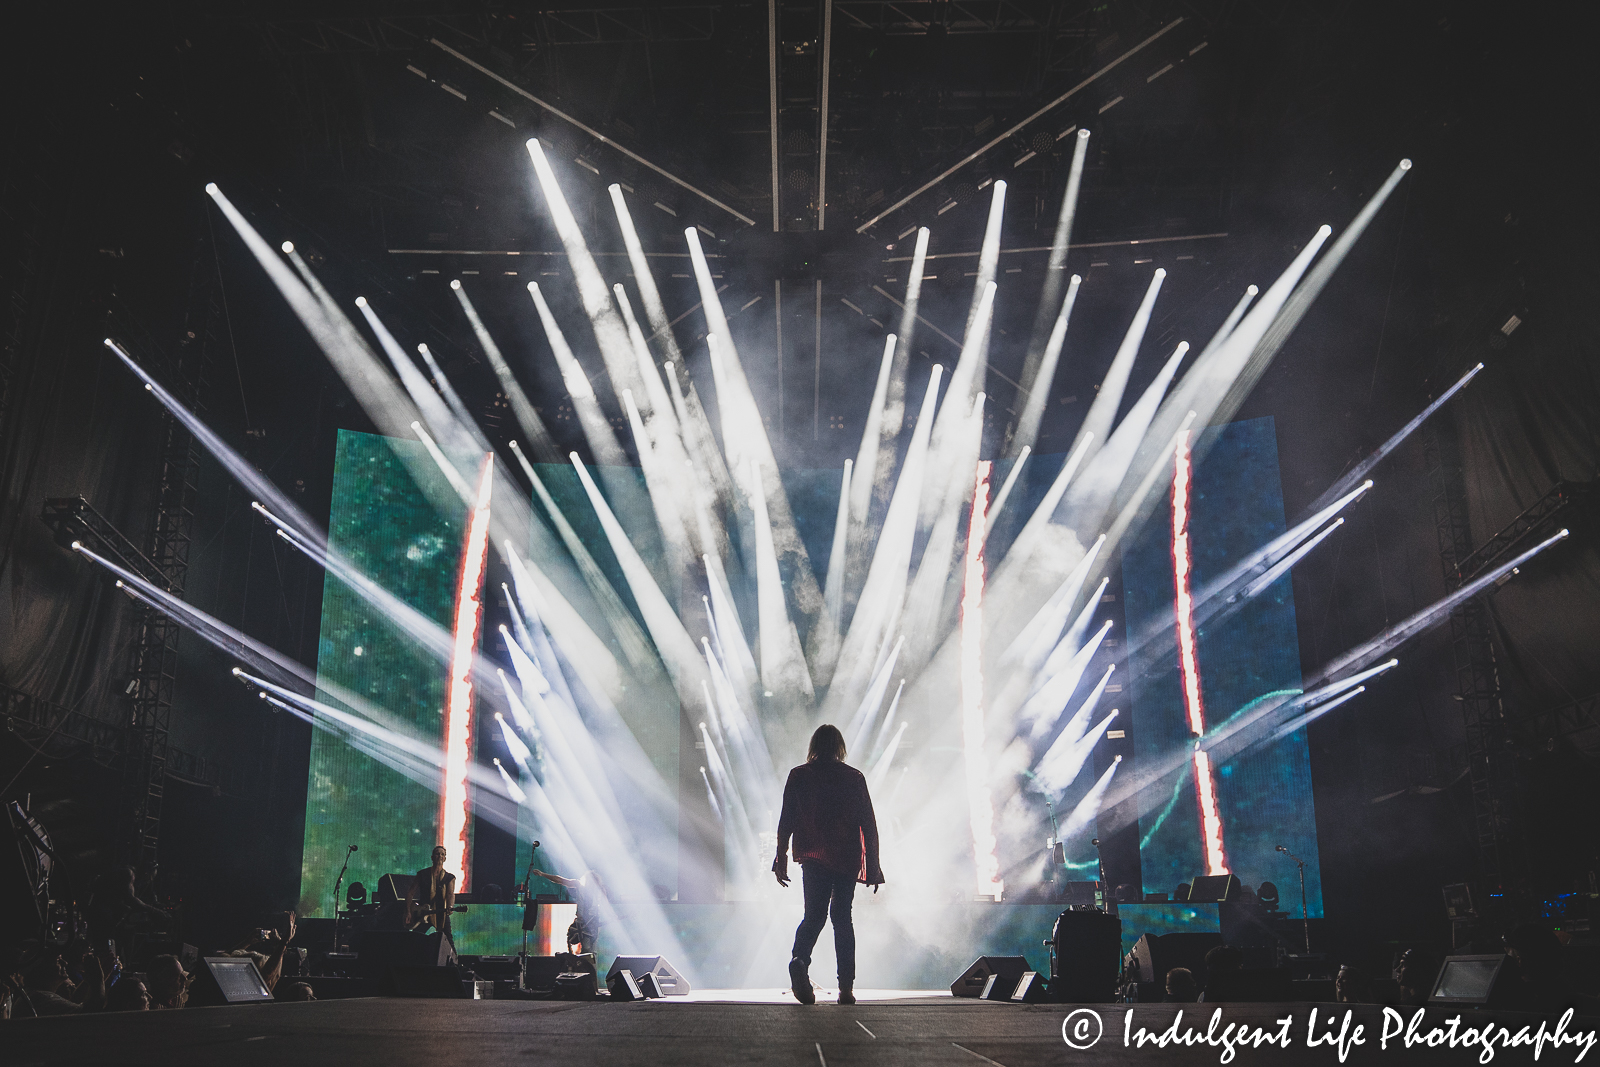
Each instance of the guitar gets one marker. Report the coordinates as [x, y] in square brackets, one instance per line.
[427, 918]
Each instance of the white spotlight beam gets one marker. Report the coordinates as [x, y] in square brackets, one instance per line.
[894, 411]
[448, 469]
[1103, 412]
[738, 407]
[1404, 630]
[596, 134]
[596, 427]
[655, 311]
[452, 399]
[1362, 469]
[989, 251]
[1301, 722]
[1005, 488]
[877, 607]
[783, 667]
[246, 472]
[436, 413]
[1038, 384]
[332, 331]
[1057, 102]
[938, 578]
[665, 496]
[393, 412]
[634, 645]
[522, 409]
[1033, 531]
[1032, 646]
[1299, 302]
[872, 436]
[1055, 268]
[827, 641]
[609, 333]
[1089, 807]
[671, 640]
[1096, 490]
[1198, 396]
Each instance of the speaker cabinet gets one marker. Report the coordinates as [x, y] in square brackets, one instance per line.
[227, 980]
[972, 981]
[576, 985]
[1031, 989]
[1088, 957]
[623, 987]
[671, 983]
[1155, 955]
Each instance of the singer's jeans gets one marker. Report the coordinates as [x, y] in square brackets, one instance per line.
[822, 886]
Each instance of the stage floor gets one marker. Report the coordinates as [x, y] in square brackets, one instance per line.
[715, 1028]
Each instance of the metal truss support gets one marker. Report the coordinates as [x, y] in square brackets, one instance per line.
[74, 519]
[155, 653]
[39, 723]
[1490, 757]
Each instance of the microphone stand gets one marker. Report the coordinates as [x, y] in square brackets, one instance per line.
[527, 894]
[1305, 913]
[1100, 870]
[337, 885]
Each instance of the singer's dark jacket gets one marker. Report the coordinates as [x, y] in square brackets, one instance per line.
[827, 810]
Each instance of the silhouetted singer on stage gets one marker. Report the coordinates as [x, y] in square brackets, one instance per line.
[432, 896]
[828, 812]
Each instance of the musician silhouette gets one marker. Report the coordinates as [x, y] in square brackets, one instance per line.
[432, 896]
[828, 812]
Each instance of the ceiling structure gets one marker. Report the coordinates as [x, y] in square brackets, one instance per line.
[806, 141]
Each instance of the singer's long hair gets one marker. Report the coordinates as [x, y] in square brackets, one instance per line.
[826, 743]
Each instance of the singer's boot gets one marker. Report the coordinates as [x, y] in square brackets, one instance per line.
[800, 981]
[847, 993]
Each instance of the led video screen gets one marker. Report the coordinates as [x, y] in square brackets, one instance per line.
[396, 529]
[1262, 798]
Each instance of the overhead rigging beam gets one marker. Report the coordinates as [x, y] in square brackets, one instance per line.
[596, 134]
[1057, 102]
[822, 141]
[772, 99]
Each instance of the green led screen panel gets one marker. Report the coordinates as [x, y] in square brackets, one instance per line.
[397, 519]
[393, 530]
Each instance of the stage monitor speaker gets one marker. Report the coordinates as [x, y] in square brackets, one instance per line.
[491, 967]
[649, 986]
[1468, 980]
[576, 985]
[393, 888]
[530, 911]
[1031, 989]
[667, 977]
[623, 987]
[542, 970]
[1088, 957]
[410, 980]
[227, 980]
[1155, 955]
[1213, 888]
[972, 981]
